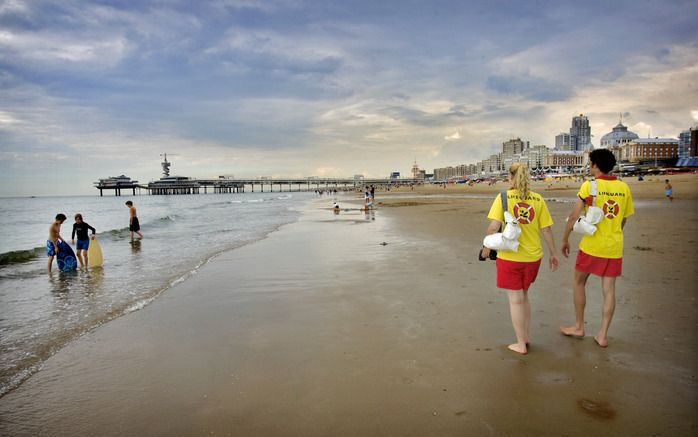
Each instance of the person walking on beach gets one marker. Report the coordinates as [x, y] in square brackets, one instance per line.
[80, 228]
[133, 224]
[54, 235]
[373, 193]
[600, 254]
[516, 271]
[669, 190]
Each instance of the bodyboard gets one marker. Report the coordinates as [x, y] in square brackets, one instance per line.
[94, 254]
[66, 258]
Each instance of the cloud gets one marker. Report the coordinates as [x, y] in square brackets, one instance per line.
[267, 50]
[694, 114]
[529, 87]
[454, 136]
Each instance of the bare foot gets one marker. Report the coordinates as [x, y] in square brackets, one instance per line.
[518, 349]
[600, 342]
[572, 331]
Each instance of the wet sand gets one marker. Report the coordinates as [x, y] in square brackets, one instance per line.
[321, 330]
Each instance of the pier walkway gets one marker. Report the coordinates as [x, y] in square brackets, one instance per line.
[181, 185]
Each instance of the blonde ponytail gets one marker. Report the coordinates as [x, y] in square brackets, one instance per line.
[519, 179]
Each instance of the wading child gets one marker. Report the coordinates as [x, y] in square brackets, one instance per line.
[133, 224]
[516, 271]
[80, 228]
[600, 254]
[54, 235]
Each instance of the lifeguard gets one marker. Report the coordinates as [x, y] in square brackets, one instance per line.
[600, 254]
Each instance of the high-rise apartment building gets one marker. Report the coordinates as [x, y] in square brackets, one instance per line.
[685, 148]
[562, 141]
[580, 133]
[514, 146]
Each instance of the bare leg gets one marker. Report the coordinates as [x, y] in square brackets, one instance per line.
[84, 255]
[50, 263]
[580, 301]
[80, 258]
[139, 234]
[131, 235]
[527, 314]
[518, 319]
[608, 284]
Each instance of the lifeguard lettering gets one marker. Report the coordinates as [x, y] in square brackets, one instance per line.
[531, 197]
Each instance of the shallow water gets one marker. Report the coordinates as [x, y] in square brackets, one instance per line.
[39, 313]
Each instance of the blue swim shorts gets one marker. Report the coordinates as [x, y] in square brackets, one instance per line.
[82, 245]
[50, 250]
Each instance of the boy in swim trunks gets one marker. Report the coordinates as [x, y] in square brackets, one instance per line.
[669, 190]
[80, 228]
[54, 235]
[600, 254]
[133, 224]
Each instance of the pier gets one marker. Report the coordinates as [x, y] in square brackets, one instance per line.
[232, 186]
[179, 185]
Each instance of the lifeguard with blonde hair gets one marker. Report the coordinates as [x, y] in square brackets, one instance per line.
[516, 271]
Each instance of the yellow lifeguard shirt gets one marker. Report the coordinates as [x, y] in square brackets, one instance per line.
[614, 198]
[532, 215]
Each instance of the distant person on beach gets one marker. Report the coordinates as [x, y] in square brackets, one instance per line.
[516, 271]
[335, 208]
[600, 254]
[669, 190]
[133, 224]
[80, 228]
[373, 193]
[54, 235]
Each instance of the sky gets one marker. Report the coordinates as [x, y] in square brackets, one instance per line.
[294, 88]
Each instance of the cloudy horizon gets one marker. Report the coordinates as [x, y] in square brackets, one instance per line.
[293, 88]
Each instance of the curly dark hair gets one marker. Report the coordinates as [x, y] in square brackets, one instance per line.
[603, 159]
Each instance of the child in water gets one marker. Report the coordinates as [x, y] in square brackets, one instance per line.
[81, 228]
[133, 224]
[54, 236]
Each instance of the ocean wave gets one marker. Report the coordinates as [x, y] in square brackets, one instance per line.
[19, 256]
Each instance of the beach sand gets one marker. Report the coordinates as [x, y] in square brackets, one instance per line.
[321, 330]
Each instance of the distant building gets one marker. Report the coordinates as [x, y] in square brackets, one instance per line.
[417, 173]
[514, 146]
[562, 141]
[580, 134]
[537, 155]
[358, 177]
[649, 150]
[687, 143]
[395, 175]
[618, 136]
[558, 159]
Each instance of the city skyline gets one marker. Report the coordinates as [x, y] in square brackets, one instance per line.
[294, 88]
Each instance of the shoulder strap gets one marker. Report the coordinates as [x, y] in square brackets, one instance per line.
[593, 190]
[505, 204]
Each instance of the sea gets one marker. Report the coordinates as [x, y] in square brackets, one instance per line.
[41, 312]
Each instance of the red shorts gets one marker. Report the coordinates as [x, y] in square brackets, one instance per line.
[609, 267]
[515, 275]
